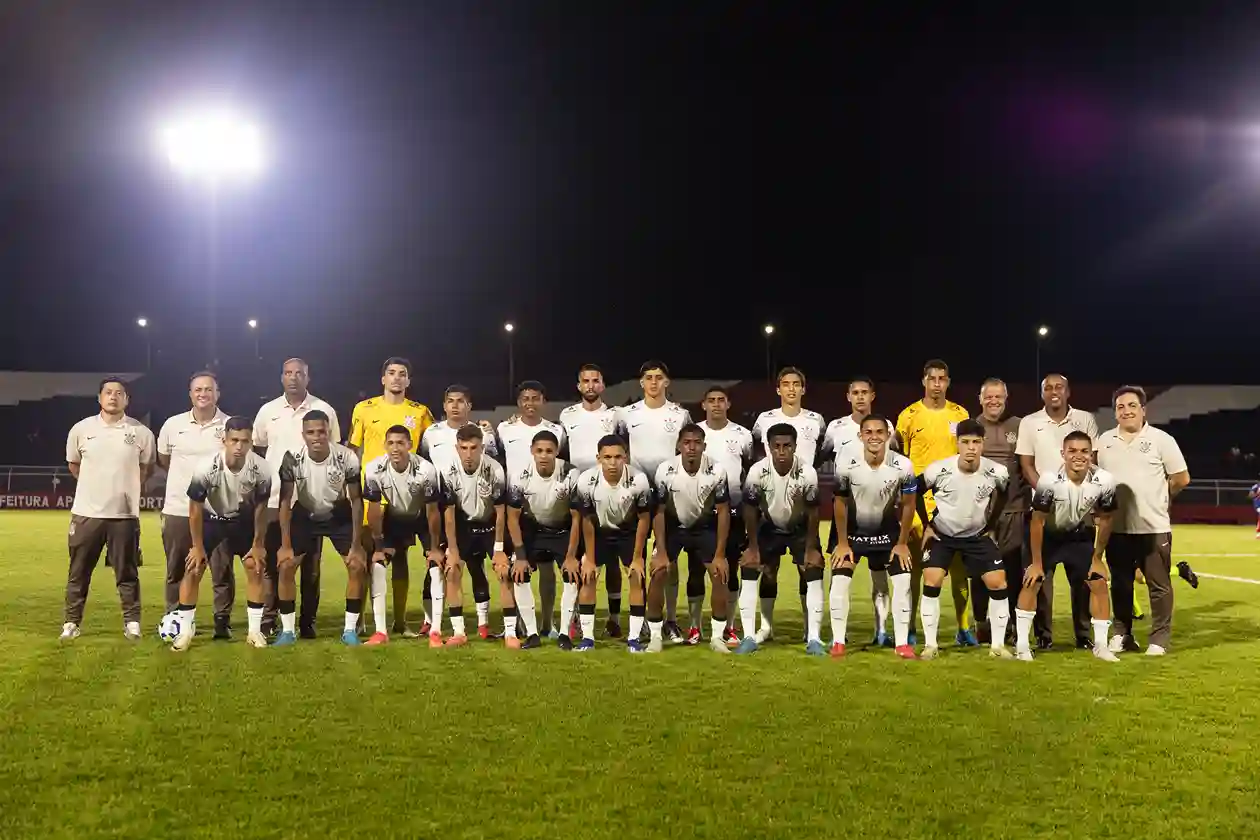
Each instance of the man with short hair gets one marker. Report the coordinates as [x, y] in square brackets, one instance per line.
[278, 431]
[731, 445]
[970, 495]
[651, 427]
[1001, 435]
[184, 441]
[616, 502]
[110, 455]
[437, 445]
[1149, 471]
[227, 516]
[402, 493]
[780, 516]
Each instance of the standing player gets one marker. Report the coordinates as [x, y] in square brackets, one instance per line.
[369, 423]
[227, 518]
[616, 501]
[1001, 433]
[780, 516]
[320, 497]
[110, 455]
[1254, 495]
[473, 495]
[873, 517]
[731, 445]
[544, 525]
[651, 426]
[402, 494]
[184, 441]
[1071, 524]
[693, 514]
[927, 432]
[970, 495]
[437, 444]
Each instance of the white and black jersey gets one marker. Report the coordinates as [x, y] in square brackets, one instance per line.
[406, 492]
[616, 507]
[652, 433]
[474, 495]
[320, 486]
[732, 447]
[1069, 507]
[583, 429]
[226, 494]
[546, 500]
[842, 432]
[691, 500]
[962, 498]
[809, 431]
[437, 444]
[783, 500]
[516, 439]
[872, 493]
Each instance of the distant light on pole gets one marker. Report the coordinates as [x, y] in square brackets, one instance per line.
[143, 323]
[253, 323]
[510, 330]
[1043, 332]
[509, 327]
[253, 328]
[768, 329]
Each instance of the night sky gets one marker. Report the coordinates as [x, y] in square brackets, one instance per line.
[634, 180]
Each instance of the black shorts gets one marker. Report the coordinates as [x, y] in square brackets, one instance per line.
[876, 548]
[1073, 551]
[237, 534]
[544, 544]
[611, 546]
[307, 532]
[699, 543]
[737, 539]
[772, 544]
[980, 555]
[475, 542]
[402, 532]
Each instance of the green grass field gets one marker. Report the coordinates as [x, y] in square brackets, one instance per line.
[104, 738]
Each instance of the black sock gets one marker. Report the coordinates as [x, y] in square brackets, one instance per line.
[288, 607]
[354, 605]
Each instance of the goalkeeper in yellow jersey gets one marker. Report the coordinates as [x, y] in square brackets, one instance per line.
[926, 431]
[371, 419]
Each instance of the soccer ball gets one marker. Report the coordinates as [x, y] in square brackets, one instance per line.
[169, 627]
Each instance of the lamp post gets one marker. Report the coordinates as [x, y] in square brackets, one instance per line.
[143, 323]
[510, 330]
[253, 328]
[1042, 332]
[768, 329]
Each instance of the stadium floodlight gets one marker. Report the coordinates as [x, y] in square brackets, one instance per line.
[768, 329]
[143, 323]
[253, 323]
[509, 329]
[213, 145]
[1043, 331]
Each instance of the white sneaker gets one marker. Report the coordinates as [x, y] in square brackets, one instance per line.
[1116, 645]
[930, 653]
[1003, 653]
[1105, 654]
[131, 631]
[655, 645]
[1155, 650]
[69, 630]
[184, 640]
[256, 639]
[765, 634]
[1024, 654]
[718, 646]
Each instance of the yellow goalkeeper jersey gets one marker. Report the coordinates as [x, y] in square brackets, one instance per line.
[928, 435]
[373, 417]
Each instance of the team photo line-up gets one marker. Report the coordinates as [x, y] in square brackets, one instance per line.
[995, 503]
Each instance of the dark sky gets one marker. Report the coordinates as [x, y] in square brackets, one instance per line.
[627, 180]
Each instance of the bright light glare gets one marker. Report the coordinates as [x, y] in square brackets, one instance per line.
[142, 322]
[509, 326]
[212, 145]
[1043, 331]
[769, 329]
[253, 323]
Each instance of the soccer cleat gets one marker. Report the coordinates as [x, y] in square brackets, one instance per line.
[256, 639]
[426, 628]
[435, 639]
[1001, 653]
[765, 634]
[131, 630]
[1105, 654]
[983, 634]
[815, 648]
[654, 645]
[1084, 643]
[1023, 655]
[882, 639]
[612, 629]
[585, 645]
[1116, 645]
[350, 637]
[69, 630]
[455, 641]
[184, 640]
[693, 636]
[732, 637]
[407, 633]
[268, 628]
[378, 638]
[1155, 650]
[553, 634]
[285, 637]
[307, 631]
[575, 628]
[718, 646]
[635, 646]
[1187, 574]
[912, 639]
[930, 653]
[966, 638]
[564, 643]
[531, 643]
[837, 650]
[222, 630]
[905, 652]
[747, 645]
[511, 643]
[483, 630]
[673, 632]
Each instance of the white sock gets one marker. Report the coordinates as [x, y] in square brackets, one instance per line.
[695, 610]
[636, 627]
[879, 597]
[840, 586]
[568, 602]
[352, 621]
[930, 612]
[378, 597]
[288, 622]
[525, 606]
[671, 597]
[187, 617]
[814, 603]
[655, 629]
[483, 613]
[767, 614]
[509, 627]
[717, 628]
[457, 625]
[437, 593]
[587, 622]
[999, 615]
[253, 617]
[1101, 627]
[748, 608]
[1023, 624]
[901, 609]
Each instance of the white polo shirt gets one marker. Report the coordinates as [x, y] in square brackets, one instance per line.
[187, 444]
[1141, 468]
[1042, 438]
[278, 427]
[109, 456]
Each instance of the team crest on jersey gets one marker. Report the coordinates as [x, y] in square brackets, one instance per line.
[953, 428]
[732, 446]
[671, 425]
[607, 425]
[984, 491]
[1011, 437]
[218, 433]
[409, 421]
[129, 438]
[1144, 446]
[485, 487]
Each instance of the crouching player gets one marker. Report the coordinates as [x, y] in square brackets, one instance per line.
[1071, 524]
[320, 497]
[544, 525]
[873, 516]
[780, 515]
[402, 493]
[227, 515]
[693, 514]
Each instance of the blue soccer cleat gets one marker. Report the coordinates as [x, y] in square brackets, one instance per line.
[585, 645]
[815, 648]
[635, 646]
[912, 639]
[286, 637]
[349, 637]
[882, 639]
[747, 645]
[966, 638]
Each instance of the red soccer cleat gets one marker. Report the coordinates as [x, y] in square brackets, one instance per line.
[455, 641]
[732, 637]
[435, 640]
[693, 636]
[837, 651]
[378, 638]
[483, 630]
[905, 652]
[426, 629]
[511, 643]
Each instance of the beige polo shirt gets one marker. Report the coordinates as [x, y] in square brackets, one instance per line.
[1141, 468]
[1042, 438]
[109, 456]
[187, 443]
[278, 427]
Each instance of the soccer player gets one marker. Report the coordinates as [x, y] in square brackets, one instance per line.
[1254, 495]
[369, 424]
[693, 514]
[1001, 433]
[1071, 524]
[1149, 471]
[544, 525]
[277, 431]
[970, 495]
[402, 493]
[651, 427]
[110, 455]
[227, 516]
[780, 516]
[873, 516]
[731, 445]
[320, 497]
[616, 501]
[516, 439]
[474, 491]
[437, 444]
[185, 440]
[926, 432]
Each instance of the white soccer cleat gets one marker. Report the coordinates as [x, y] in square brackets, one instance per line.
[131, 631]
[69, 631]
[1003, 653]
[654, 645]
[184, 640]
[1155, 650]
[930, 653]
[765, 634]
[256, 639]
[1116, 645]
[717, 645]
[1105, 654]
[1024, 655]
